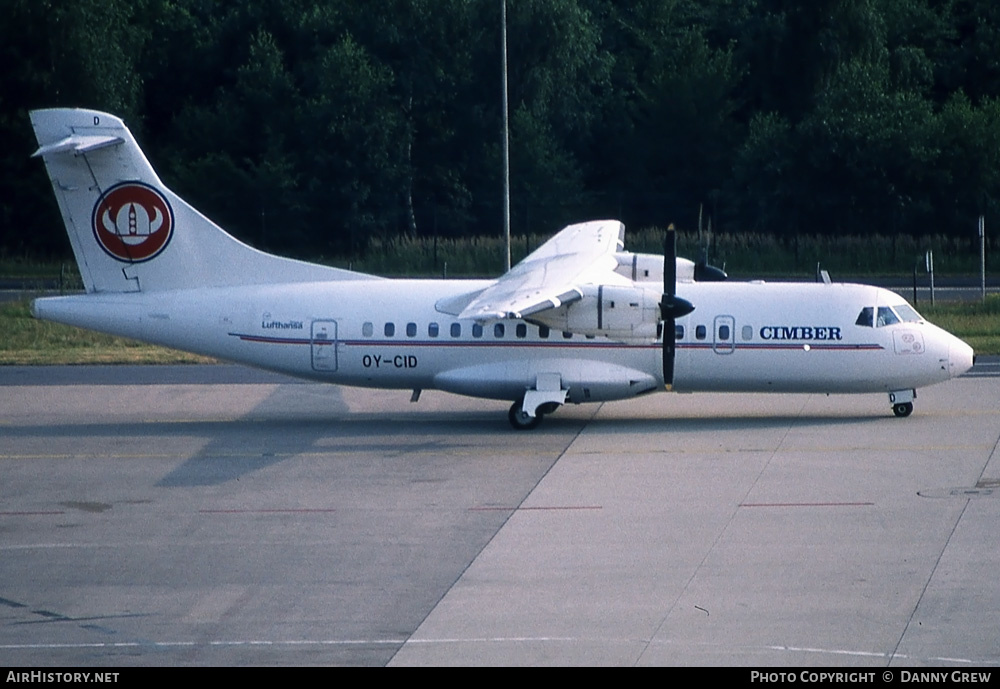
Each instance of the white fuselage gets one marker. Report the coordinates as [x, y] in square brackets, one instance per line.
[577, 320]
[778, 337]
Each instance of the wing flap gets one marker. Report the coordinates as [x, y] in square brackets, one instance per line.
[553, 274]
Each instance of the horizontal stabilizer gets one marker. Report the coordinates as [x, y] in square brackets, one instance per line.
[78, 144]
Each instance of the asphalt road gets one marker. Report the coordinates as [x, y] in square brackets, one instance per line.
[216, 516]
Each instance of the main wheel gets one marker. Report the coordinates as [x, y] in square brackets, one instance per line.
[902, 409]
[520, 420]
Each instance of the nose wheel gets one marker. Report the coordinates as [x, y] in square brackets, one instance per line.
[902, 402]
[902, 409]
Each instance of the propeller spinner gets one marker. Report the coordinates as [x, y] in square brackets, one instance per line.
[672, 307]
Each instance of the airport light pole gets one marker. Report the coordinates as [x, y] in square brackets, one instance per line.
[506, 137]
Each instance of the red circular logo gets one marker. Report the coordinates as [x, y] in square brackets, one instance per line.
[133, 222]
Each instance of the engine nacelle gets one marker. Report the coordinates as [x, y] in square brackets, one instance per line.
[649, 268]
[612, 311]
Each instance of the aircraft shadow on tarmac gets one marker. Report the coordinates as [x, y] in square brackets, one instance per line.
[243, 446]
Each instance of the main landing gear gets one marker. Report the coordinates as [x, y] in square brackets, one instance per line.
[547, 395]
[520, 420]
[902, 402]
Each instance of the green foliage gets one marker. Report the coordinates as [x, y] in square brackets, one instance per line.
[57, 54]
[745, 255]
[978, 323]
[749, 255]
[336, 128]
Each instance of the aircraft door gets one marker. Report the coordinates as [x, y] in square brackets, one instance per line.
[725, 335]
[323, 343]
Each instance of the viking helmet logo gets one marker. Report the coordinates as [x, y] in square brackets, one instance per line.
[133, 222]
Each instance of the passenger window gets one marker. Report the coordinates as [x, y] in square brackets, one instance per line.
[747, 332]
[456, 329]
[678, 332]
[522, 330]
[390, 329]
[567, 335]
[411, 329]
[865, 317]
[700, 332]
[543, 331]
[368, 329]
[498, 330]
[433, 330]
[886, 316]
[477, 330]
[724, 332]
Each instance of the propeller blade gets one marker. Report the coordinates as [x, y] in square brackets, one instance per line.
[670, 261]
[667, 305]
[706, 273]
[669, 345]
[671, 306]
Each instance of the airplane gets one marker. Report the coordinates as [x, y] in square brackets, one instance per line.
[578, 320]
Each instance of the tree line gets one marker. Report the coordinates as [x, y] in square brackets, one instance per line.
[312, 128]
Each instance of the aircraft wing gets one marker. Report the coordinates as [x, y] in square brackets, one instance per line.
[553, 274]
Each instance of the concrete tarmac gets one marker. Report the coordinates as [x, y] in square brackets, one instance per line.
[150, 518]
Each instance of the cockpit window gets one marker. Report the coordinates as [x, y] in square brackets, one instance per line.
[907, 313]
[886, 316]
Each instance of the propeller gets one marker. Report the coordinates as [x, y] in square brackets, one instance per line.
[672, 307]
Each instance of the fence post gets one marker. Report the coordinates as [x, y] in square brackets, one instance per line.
[930, 269]
[982, 255]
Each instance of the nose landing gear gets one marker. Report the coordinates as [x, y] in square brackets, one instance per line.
[902, 402]
[903, 409]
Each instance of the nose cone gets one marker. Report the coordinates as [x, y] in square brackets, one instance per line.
[960, 357]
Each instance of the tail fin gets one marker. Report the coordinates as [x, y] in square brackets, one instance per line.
[129, 232]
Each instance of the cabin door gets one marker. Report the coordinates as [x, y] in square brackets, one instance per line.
[323, 343]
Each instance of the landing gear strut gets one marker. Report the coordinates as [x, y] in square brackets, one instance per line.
[544, 398]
